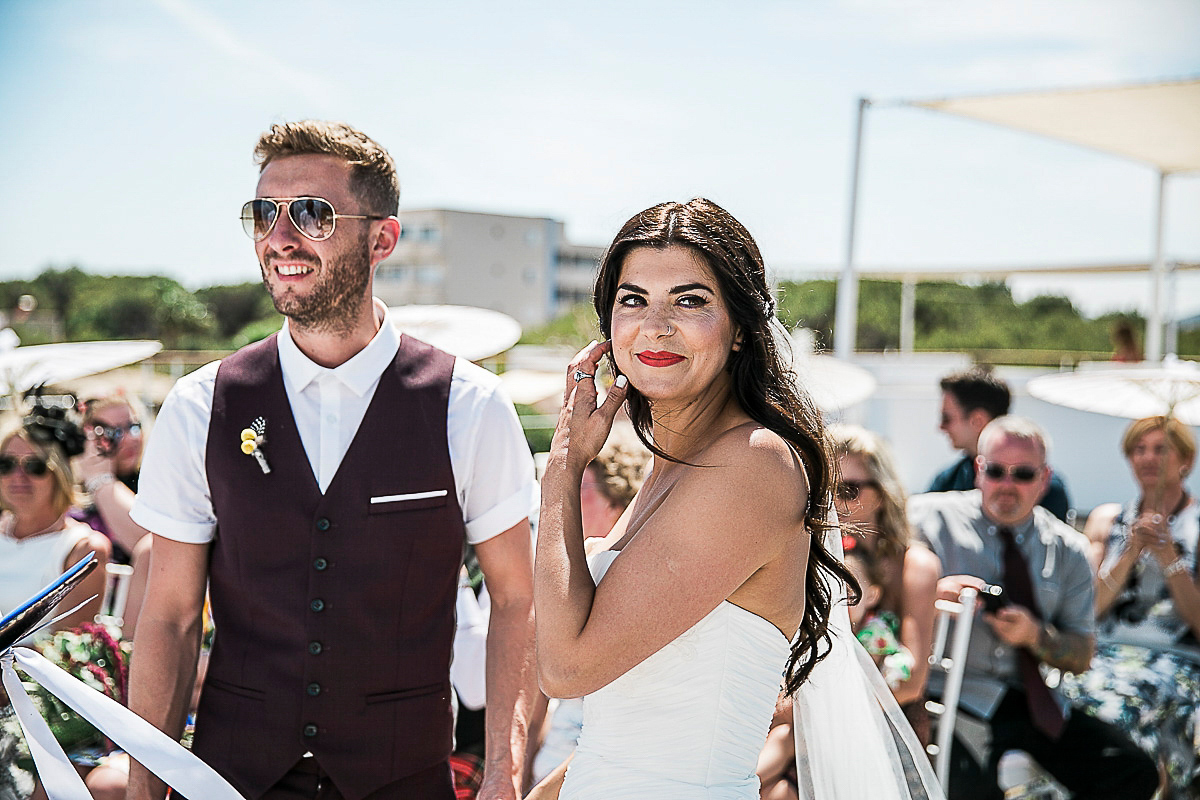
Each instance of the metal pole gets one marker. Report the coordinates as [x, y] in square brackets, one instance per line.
[1171, 348]
[908, 312]
[845, 326]
[1154, 328]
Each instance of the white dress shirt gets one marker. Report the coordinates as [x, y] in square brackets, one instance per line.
[493, 470]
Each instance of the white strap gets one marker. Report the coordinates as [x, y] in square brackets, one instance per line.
[156, 751]
[58, 776]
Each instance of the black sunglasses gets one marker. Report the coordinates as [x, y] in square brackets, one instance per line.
[30, 465]
[314, 217]
[1020, 473]
[848, 491]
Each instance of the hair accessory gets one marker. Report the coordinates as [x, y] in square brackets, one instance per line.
[252, 441]
[48, 424]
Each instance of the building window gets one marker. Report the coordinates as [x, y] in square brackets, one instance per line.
[430, 233]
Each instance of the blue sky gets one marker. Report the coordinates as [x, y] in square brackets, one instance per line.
[128, 126]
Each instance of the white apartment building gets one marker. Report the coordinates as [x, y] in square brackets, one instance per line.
[521, 266]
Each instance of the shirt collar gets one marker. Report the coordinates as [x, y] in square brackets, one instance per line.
[358, 374]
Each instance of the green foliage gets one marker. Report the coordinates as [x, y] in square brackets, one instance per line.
[537, 436]
[236, 306]
[257, 330]
[947, 316]
[575, 328]
[958, 317]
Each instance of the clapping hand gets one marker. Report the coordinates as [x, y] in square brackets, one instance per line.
[1149, 532]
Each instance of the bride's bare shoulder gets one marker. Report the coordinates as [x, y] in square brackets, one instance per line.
[751, 454]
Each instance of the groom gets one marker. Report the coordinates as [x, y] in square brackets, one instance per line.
[322, 484]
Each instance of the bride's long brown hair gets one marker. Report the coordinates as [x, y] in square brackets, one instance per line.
[763, 384]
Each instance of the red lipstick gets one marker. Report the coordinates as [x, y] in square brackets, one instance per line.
[658, 358]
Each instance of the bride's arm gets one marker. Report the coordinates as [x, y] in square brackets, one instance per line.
[562, 585]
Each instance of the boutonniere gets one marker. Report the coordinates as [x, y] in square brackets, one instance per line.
[253, 439]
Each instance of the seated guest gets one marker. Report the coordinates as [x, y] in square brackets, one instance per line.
[1145, 676]
[870, 505]
[998, 535]
[38, 542]
[970, 400]
[878, 631]
[108, 468]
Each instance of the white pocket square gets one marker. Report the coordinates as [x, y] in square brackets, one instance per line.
[397, 498]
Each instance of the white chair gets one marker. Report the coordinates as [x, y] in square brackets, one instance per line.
[116, 595]
[955, 666]
[1020, 776]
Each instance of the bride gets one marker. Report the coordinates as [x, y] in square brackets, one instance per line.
[715, 581]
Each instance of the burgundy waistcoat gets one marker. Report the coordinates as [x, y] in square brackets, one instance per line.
[335, 612]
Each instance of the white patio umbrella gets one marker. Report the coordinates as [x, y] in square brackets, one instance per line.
[1169, 389]
[23, 368]
[465, 331]
[834, 384]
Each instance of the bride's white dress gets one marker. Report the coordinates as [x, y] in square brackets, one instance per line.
[690, 720]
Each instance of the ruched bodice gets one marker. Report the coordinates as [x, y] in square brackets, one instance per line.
[690, 720]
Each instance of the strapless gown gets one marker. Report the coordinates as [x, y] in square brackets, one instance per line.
[690, 720]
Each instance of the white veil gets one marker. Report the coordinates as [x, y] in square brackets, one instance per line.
[852, 740]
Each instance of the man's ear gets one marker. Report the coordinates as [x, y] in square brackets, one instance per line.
[385, 239]
[978, 419]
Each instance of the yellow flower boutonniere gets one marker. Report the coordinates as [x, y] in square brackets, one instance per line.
[253, 439]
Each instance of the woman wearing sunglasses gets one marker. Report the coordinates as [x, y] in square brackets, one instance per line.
[1145, 676]
[38, 541]
[871, 506]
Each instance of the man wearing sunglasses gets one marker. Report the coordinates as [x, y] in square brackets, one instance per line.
[998, 536]
[971, 399]
[323, 484]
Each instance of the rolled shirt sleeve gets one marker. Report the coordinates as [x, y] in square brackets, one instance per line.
[493, 468]
[173, 499]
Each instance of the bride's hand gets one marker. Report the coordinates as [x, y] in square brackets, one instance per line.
[582, 426]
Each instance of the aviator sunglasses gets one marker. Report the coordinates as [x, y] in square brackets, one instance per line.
[1019, 473]
[314, 217]
[32, 466]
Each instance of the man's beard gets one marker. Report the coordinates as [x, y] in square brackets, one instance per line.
[334, 302]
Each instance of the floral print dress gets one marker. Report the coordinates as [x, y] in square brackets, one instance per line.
[1145, 676]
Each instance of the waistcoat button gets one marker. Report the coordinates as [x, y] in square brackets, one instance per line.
[323, 524]
[320, 564]
[315, 648]
[313, 689]
[317, 605]
[310, 730]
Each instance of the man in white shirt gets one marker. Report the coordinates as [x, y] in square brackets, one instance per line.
[306, 478]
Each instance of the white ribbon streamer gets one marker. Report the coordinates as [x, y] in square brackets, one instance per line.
[58, 776]
[156, 751]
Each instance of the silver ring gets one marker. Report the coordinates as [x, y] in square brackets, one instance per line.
[580, 375]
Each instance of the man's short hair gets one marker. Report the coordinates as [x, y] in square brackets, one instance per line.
[978, 388]
[373, 173]
[1020, 428]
